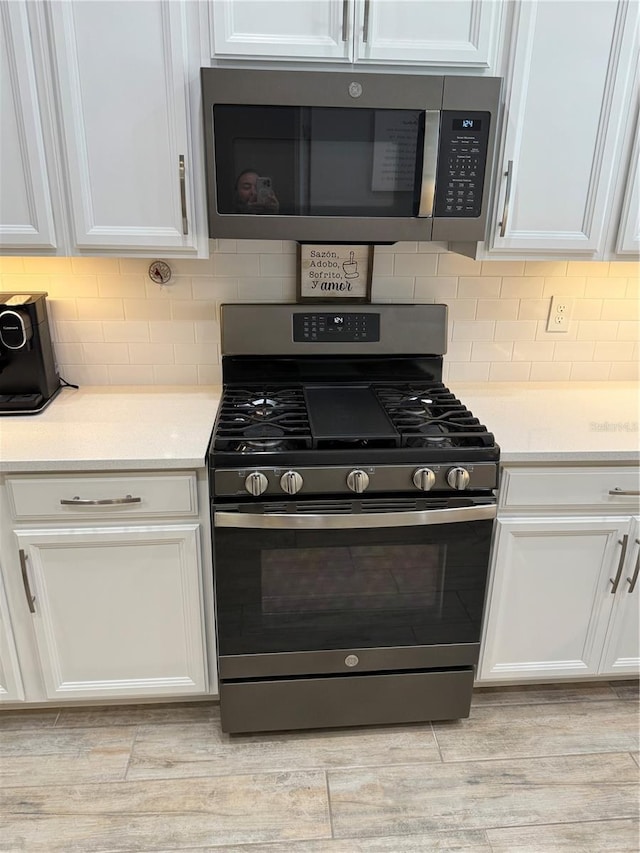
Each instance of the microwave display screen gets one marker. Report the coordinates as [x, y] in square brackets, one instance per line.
[467, 124]
[317, 161]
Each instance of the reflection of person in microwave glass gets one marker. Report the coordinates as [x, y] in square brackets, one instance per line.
[254, 194]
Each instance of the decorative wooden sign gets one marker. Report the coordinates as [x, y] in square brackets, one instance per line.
[334, 272]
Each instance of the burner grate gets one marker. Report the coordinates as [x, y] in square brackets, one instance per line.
[268, 419]
[431, 416]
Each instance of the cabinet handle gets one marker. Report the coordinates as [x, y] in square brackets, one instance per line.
[507, 199]
[183, 194]
[618, 491]
[345, 20]
[365, 23]
[634, 580]
[25, 581]
[615, 581]
[105, 502]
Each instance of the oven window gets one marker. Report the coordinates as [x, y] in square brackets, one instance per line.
[281, 590]
[359, 578]
[316, 161]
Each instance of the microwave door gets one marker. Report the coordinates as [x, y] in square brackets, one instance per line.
[429, 160]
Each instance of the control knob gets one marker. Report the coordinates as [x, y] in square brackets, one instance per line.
[256, 483]
[458, 478]
[423, 479]
[357, 480]
[291, 482]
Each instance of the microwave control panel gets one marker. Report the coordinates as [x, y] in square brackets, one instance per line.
[336, 328]
[462, 160]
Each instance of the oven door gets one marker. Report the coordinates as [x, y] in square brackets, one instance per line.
[350, 589]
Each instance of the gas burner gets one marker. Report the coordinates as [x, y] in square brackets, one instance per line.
[263, 431]
[422, 399]
[431, 435]
[261, 408]
[274, 445]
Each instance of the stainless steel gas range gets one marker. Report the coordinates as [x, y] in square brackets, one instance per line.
[353, 505]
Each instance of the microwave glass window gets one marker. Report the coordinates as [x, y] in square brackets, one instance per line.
[317, 161]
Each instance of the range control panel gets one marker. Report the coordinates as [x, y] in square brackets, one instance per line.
[464, 138]
[337, 328]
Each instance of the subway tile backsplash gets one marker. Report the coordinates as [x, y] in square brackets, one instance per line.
[113, 325]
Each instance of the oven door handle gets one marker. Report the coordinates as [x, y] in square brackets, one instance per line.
[310, 521]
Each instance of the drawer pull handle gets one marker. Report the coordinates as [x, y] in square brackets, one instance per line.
[634, 580]
[618, 491]
[615, 581]
[25, 582]
[77, 501]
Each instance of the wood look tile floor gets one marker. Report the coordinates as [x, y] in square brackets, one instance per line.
[534, 769]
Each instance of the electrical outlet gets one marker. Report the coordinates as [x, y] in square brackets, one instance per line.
[559, 314]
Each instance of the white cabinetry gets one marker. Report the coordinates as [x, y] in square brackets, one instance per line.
[11, 689]
[26, 212]
[626, 236]
[563, 599]
[106, 586]
[568, 99]
[119, 99]
[432, 32]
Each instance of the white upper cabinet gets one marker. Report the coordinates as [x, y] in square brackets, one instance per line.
[627, 236]
[406, 32]
[568, 97]
[314, 29]
[97, 151]
[123, 89]
[435, 32]
[26, 214]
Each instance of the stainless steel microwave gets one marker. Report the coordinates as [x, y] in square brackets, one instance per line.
[342, 156]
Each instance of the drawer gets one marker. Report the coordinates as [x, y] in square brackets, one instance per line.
[577, 488]
[106, 496]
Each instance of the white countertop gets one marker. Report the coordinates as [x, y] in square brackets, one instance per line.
[110, 428]
[558, 421]
[107, 428]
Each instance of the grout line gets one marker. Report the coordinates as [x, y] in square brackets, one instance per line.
[329, 810]
[537, 756]
[128, 764]
[435, 737]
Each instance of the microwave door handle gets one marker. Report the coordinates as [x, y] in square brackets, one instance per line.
[309, 521]
[429, 162]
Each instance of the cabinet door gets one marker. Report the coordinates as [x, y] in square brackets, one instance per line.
[621, 654]
[313, 29]
[436, 32]
[26, 216]
[11, 688]
[628, 242]
[123, 82]
[549, 601]
[117, 611]
[565, 117]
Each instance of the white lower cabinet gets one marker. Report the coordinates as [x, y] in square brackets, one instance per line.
[11, 689]
[105, 596]
[564, 596]
[116, 611]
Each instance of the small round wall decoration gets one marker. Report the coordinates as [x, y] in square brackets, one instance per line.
[160, 272]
